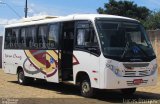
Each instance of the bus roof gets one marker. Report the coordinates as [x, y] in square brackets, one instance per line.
[50, 19]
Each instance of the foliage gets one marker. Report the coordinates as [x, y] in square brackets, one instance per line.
[125, 8]
[153, 21]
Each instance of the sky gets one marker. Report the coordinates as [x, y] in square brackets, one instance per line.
[13, 10]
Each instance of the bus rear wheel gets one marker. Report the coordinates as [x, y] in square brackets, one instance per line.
[22, 79]
[86, 89]
[128, 91]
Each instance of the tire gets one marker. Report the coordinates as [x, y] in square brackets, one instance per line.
[128, 91]
[22, 79]
[86, 89]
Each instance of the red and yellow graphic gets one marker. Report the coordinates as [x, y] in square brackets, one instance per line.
[45, 61]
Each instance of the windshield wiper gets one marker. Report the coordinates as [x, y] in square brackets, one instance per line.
[125, 49]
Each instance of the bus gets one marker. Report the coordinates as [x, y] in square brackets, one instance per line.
[94, 51]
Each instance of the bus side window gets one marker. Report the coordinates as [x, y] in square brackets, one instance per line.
[80, 37]
[8, 38]
[42, 34]
[31, 37]
[14, 38]
[86, 38]
[93, 38]
[53, 36]
[22, 38]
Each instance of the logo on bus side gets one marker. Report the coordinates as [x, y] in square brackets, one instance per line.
[43, 61]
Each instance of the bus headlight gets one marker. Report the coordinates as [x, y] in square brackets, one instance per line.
[115, 70]
[109, 66]
[118, 72]
[154, 69]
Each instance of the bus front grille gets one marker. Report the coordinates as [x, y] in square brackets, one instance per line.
[134, 65]
[137, 73]
[130, 73]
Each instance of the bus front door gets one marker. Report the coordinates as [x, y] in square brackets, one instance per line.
[66, 57]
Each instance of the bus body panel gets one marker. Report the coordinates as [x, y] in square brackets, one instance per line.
[112, 82]
[87, 63]
[32, 68]
[12, 59]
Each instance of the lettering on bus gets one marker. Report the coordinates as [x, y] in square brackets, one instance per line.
[13, 56]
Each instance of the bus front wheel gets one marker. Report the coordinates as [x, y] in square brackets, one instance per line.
[86, 89]
[128, 91]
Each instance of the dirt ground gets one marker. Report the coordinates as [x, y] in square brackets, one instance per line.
[43, 92]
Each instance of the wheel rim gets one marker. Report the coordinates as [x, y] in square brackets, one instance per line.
[21, 77]
[85, 87]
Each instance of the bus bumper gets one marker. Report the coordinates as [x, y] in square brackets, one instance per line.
[114, 82]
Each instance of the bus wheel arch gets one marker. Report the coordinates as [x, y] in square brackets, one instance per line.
[83, 80]
[22, 79]
[19, 68]
[80, 76]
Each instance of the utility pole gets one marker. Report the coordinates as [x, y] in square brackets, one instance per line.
[26, 9]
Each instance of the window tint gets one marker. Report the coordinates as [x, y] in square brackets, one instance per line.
[8, 38]
[81, 36]
[31, 37]
[109, 25]
[22, 38]
[86, 36]
[83, 25]
[11, 38]
[15, 34]
[53, 35]
[42, 34]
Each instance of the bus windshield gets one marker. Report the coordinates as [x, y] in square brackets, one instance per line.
[124, 41]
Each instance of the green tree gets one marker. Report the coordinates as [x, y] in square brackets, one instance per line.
[125, 8]
[153, 21]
